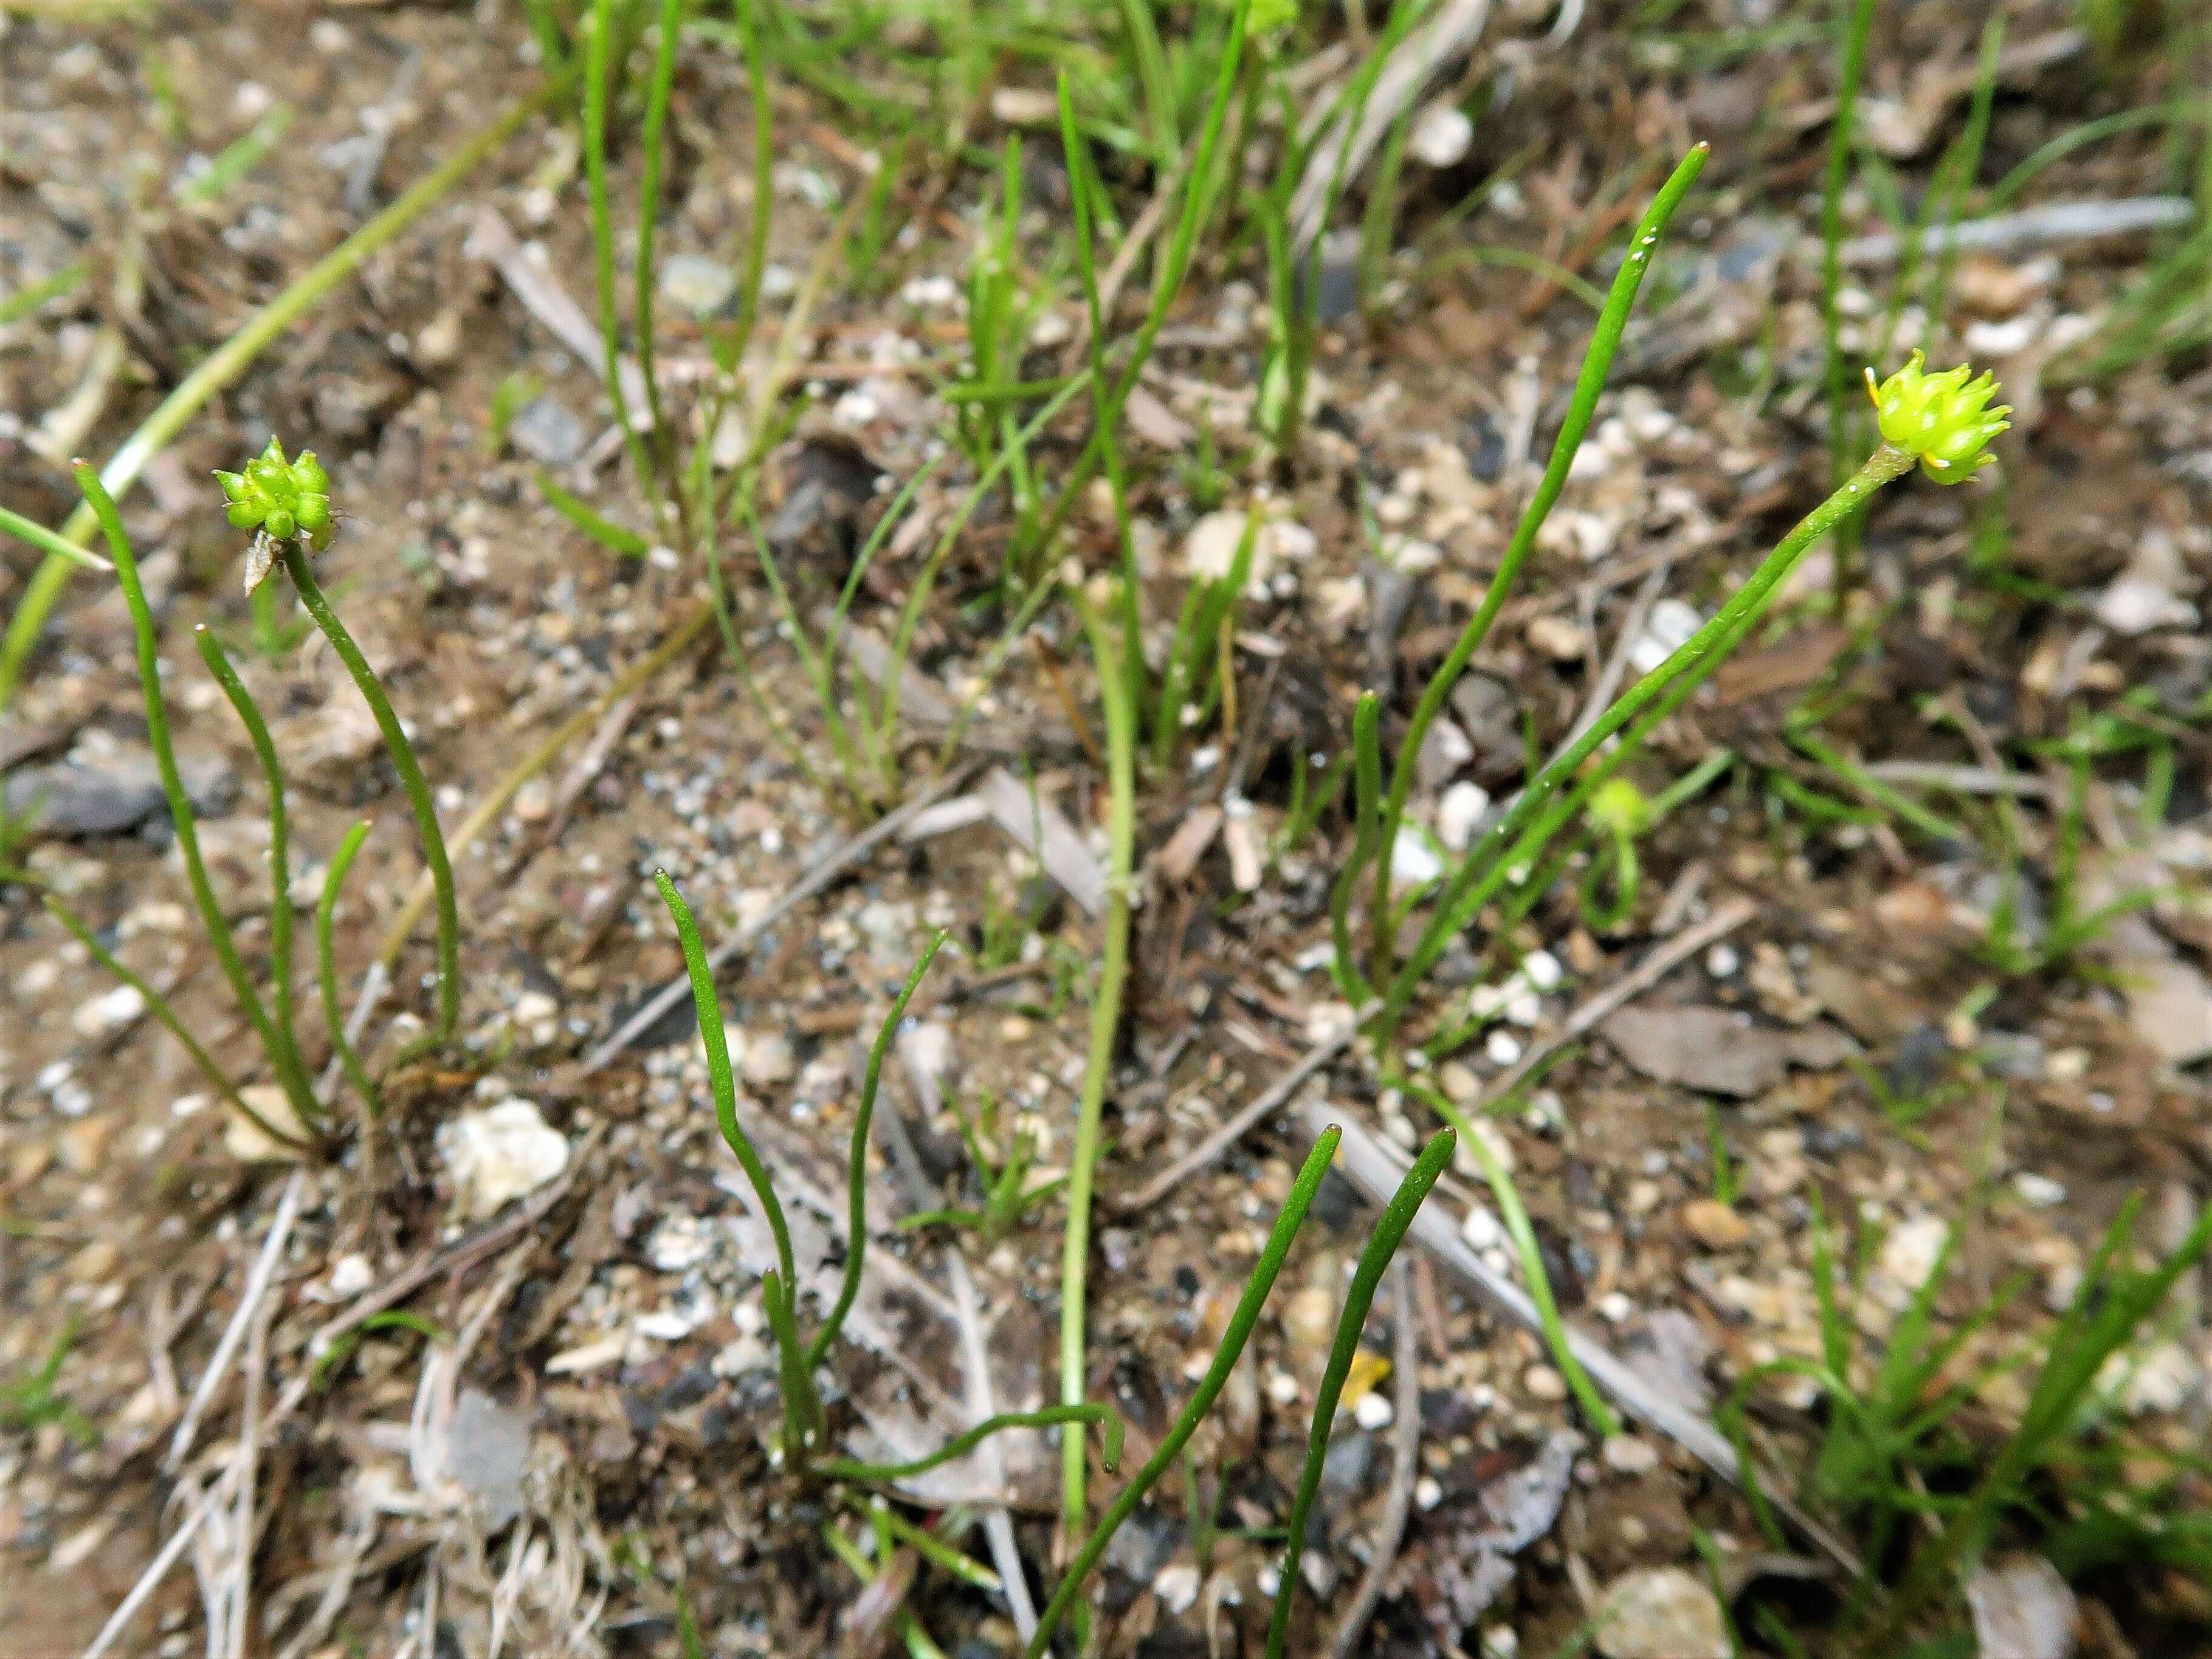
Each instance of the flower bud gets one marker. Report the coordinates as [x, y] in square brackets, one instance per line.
[1944, 421]
[279, 497]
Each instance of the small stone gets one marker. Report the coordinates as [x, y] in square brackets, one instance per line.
[1630, 1454]
[1413, 860]
[548, 432]
[502, 1153]
[1373, 1411]
[1714, 1224]
[2155, 1383]
[768, 1059]
[1661, 1612]
[1560, 638]
[1482, 1230]
[1542, 1382]
[1428, 1492]
[700, 285]
[108, 1012]
[1024, 107]
[1177, 1586]
[1309, 1318]
[350, 1274]
[1459, 812]
[2039, 1190]
[487, 1447]
[1721, 961]
[246, 1140]
[1502, 1047]
[533, 801]
[1908, 1256]
[1541, 969]
[1441, 134]
[1671, 624]
[84, 1144]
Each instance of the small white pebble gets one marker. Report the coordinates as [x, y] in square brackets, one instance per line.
[2039, 1190]
[1373, 1411]
[1427, 1493]
[1629, 1454]
[1541, 969]
[1481, 1230]
[1502, 1047]
[1525, 1009]
[1614, 1307]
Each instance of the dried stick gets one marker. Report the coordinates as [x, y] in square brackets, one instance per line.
[256, 1286]
[819, 875]
[1232, 1131]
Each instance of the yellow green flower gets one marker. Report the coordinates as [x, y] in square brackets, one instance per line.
[281, 498]
[1944, 421]
[1619, 808]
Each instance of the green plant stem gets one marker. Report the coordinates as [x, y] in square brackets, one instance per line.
[1233, 1338]
[30, 530]
[780, 1285]
[1605, 342]
[1105, 1023]
[159, 1006]
[1382, 1245]
[1366, 812]
[1197, 203]
[856, 1173]
[1701, 652]
[715, 1038]
[1515, 1216]
[229, 359]
[598, 51]
[327, 972]
[846, 1468]
[648, 206]
[1836, 376]
[181, 815]
[286, 1055]
[411, 779]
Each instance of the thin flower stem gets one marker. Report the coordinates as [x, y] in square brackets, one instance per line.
[286, 1055]
[1105, 1020]
[1701, 650]
[1239, 1330]
[411, 779]
[327, 972]
[846, 1468]
[1382, 1245]
[173, 785]
[1605, 342]
[856, 1174]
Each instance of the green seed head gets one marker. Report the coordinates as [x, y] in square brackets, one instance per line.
[1943, 419]
[281, 498]
[1619, 807]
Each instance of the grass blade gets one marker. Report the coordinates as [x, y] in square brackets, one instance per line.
[1382, 1245]
[1233, 1338]
[1596, 362]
